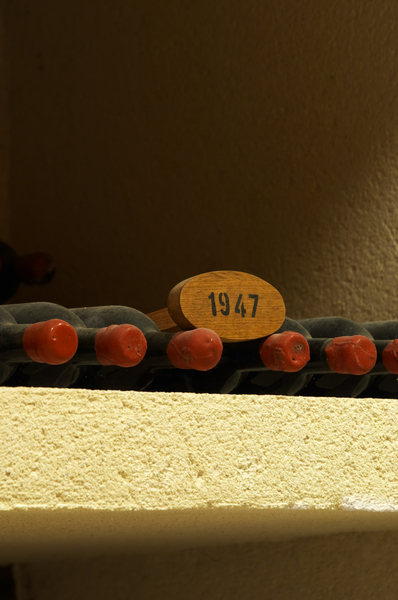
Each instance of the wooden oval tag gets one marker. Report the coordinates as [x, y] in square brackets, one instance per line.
[236, 305]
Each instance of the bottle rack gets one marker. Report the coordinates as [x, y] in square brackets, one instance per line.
[115, 347]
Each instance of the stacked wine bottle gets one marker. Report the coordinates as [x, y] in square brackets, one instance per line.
[117, 347]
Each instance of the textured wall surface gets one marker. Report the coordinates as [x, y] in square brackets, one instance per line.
[153, 141]
[338, 567]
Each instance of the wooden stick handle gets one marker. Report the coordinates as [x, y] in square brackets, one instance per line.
[163, 320]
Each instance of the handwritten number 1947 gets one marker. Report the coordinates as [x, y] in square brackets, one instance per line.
[223, 300]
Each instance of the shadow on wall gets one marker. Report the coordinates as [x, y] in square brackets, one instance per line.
[151, 142]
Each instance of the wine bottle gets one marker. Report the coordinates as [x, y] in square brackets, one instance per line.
[31, 269]
[352, 354]
[385, 384]
[52, 342]
[122, 345]
[198, 349]
[284, 356]
[386, 335]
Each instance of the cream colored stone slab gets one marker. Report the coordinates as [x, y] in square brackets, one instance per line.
[96, 471]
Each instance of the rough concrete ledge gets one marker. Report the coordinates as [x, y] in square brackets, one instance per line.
[93, 471]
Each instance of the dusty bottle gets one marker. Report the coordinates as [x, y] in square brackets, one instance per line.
[122, 345]
[385, 384]
[285, 356]
[50, 342]
[353, 355]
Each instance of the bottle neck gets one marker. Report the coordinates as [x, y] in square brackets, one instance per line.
[382, 330]
[103, 316]
[333, 327]
[11, 344]
[35, 312]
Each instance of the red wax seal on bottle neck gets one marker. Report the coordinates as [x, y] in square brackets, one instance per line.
[53, 342]
[120, 345]
[199, 349]
[390, 357]
[288, 351]
[351, 355]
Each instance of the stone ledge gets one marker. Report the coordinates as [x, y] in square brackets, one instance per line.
[94, 471]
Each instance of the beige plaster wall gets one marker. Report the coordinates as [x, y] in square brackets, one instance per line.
[151, 141]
